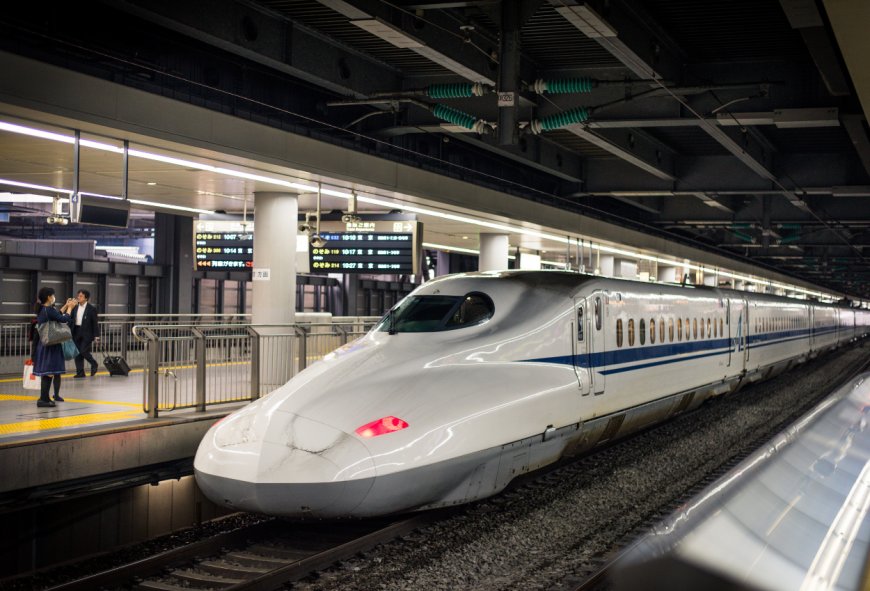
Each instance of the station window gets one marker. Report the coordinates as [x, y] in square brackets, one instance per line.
[671, 330]
[597, 313]
[631, 332]
[642, 331]
[619, 332]
[652, 331]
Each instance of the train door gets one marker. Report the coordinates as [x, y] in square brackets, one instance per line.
[728, 328]
[597, 306]
[581, 339]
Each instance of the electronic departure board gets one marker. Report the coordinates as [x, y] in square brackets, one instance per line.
[381, 247]
[223, 245]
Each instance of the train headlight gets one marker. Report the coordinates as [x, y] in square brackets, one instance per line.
[381, 427]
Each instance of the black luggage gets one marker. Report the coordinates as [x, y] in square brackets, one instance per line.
[116, 365]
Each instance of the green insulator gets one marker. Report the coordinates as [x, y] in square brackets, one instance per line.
[583, 84]
[578, 115]
[454, 116]
[457, 90]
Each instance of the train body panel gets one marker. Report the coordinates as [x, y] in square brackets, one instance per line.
[476, 378]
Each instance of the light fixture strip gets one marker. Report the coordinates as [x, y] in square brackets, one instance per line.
[300, 185]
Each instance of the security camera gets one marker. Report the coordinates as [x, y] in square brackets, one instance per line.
[350, 218]
[304, 228]
[317, 241]
[57, 220]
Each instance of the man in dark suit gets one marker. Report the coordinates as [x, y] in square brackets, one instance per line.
[85, 332]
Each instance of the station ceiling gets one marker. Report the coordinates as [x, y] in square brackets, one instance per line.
[737, 127]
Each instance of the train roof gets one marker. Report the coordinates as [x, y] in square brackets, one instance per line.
[569, 282]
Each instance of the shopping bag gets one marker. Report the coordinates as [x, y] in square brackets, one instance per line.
[69, 350]
[31, 382]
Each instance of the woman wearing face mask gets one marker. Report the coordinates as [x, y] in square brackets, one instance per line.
[49, 362]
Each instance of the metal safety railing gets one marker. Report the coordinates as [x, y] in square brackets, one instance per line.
[193, 366]
[116, 335]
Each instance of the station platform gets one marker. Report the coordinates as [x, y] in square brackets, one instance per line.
[98, 433]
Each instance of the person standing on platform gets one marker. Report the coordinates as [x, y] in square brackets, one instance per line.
[49, 362]
[85, 332]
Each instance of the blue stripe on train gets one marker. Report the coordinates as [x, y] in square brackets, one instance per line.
[665, 354]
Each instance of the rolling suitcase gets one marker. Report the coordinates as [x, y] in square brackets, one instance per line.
[116, 365]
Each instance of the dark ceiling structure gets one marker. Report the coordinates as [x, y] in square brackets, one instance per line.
[733, 126]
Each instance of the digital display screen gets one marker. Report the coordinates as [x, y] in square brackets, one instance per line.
[224, 250]
[364, 252]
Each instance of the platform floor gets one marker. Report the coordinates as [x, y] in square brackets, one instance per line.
[101, 400]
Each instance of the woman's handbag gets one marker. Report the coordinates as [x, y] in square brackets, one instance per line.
[31, 382]
[69, 350]
[53, 332]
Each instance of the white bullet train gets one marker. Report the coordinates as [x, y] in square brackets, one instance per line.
[474, 379]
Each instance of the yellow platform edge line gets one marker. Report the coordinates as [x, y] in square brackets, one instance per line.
[60, 422]
[24, 398]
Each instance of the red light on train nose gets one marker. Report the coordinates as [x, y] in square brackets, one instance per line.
[381, 426]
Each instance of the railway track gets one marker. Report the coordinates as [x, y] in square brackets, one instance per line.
[262, 556]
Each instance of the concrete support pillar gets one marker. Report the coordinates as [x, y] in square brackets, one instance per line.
[442, 265]
[667, 274]
[493, 252]
[605, 265]
[529, 261]
[274, 274]
[173, 248]
[625, 268]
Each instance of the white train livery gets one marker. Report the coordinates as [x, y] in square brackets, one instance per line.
[474, 379]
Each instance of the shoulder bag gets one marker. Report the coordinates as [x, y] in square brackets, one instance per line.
[53, 332]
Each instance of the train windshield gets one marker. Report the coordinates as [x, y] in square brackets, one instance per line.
[436, 312]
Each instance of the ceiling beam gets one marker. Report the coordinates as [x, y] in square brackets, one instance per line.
[781, 118]
[804, 16]
[635, 148]
[277, 43]
[432, 41]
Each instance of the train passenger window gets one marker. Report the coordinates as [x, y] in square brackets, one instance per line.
[662, 330]
[597, 313]
[688, 334]
[652, 331]
[721, 328]
[670, 330]
[715, 328]
[631, 332]
[619, 332]
[642, 330]
[679, 329]
[709, 334]
[579, 324]
[695, 328]
[436, 312]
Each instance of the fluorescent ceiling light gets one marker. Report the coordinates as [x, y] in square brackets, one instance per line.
[25, 198]
[168, 206]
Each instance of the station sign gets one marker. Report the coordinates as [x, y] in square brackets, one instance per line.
[223, 245]
[372, 246]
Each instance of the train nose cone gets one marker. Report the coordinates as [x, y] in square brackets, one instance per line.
[298, 467]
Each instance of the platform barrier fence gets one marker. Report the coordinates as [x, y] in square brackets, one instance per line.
[194, 366]
[193, 361]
